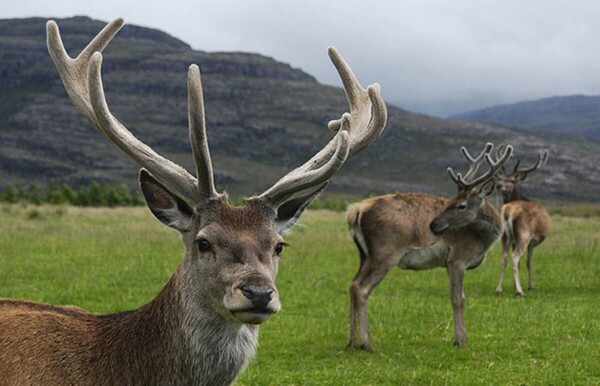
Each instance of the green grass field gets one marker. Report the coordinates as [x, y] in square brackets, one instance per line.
[107, 260]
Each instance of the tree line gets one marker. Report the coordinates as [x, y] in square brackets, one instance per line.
[95, 194]
[101, 195]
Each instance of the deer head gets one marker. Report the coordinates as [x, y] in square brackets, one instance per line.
[231, 253]
[465, 208]
[507, 181]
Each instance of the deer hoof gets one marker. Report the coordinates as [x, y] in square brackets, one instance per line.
[362, 346]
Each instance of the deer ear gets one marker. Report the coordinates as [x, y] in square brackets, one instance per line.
[290, 211]
[487, 188]
[166, 207]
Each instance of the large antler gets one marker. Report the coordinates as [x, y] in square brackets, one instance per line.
[469, 181]
[474, 163]
[82, 79]
[541, 162]
[355, 131]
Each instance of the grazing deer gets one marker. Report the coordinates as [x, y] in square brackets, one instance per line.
[202, 326]
[421, 231]
[527, 222]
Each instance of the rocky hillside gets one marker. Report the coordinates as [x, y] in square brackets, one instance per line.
[263, 118]
[575, 114]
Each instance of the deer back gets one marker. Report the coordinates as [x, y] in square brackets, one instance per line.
[528, 216]
[387, 225]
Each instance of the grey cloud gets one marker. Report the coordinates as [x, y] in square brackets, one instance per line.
[438, 57]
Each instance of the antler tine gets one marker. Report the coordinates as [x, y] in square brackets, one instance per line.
[173, 176]
[487, 149]
[368, 113]
[541, 162]
[456, 178]
[198, 139]
[464, 184]
[499, 150]
[73, 72]
[82, 80]
[295, 182]
[516, 166]
[474, 163]
[359, 128]
[494, 166]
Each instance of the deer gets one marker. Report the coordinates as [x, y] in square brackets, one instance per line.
[419, 231]
[202, 327]
[527, 222]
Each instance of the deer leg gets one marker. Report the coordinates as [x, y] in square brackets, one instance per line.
[530, 248]
[505, 250]
[353, 340]
[361, 288]
[456, 273]
[515, 258]
[352, 337]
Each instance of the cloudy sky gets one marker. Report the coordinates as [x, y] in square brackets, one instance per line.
[438, 57]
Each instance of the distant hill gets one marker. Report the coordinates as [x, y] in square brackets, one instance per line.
[576, 114]
[263, 117]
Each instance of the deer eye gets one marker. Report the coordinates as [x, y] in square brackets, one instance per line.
[203, 245]
[462, 206]
[279, 248]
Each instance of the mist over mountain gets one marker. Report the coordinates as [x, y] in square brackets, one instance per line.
[263, 119]
[568, 115]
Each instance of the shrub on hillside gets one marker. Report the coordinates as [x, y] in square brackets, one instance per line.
[95, 194]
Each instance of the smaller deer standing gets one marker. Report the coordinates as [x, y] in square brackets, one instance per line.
[421, 231]
[527, 222]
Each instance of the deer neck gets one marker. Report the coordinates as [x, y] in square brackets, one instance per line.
[488, 225]
[178, 339]
[217, 347]
[514, 195]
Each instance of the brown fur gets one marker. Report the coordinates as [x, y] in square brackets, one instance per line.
[188, 334]
[394, 230]
[405, 215]
[51, 345]
[527, 224]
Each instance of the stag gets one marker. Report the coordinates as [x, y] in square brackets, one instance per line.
[202, 327]
[421, 231]
[527, 222]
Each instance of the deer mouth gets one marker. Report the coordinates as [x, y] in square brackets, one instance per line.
[438, 232]
[252, 303]
[253, 315]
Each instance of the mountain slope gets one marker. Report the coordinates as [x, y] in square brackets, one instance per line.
[576, 114]
[263, 118]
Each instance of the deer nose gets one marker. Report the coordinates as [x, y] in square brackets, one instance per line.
[435, 227]
[259, 296]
